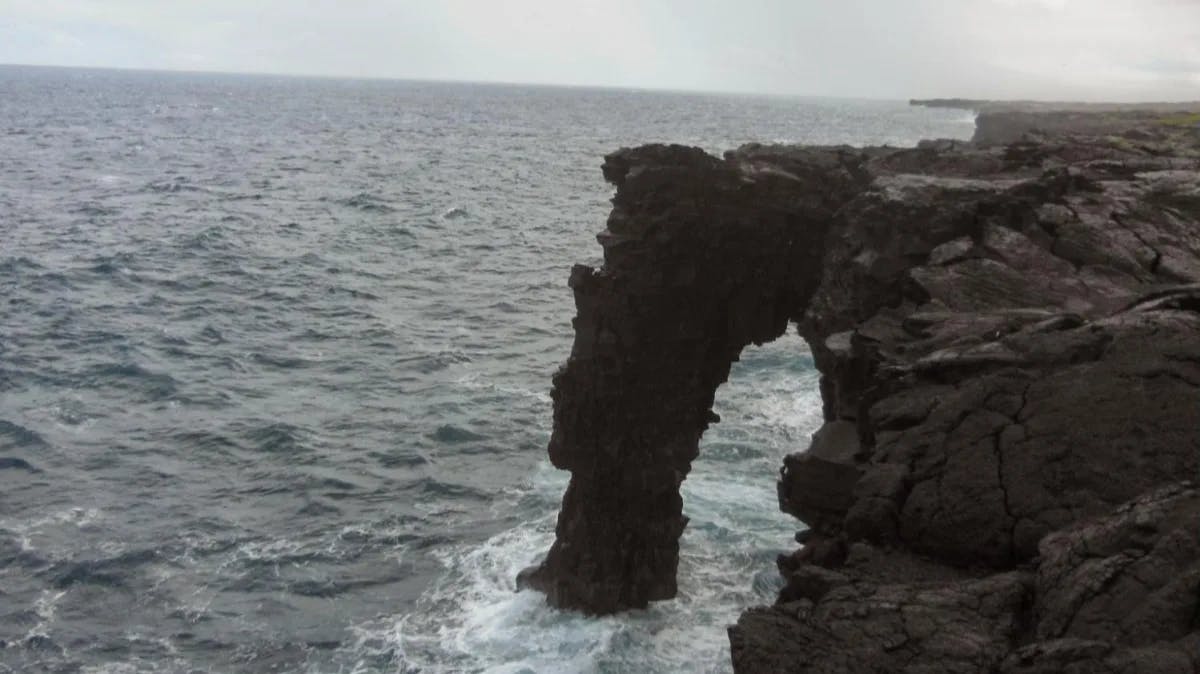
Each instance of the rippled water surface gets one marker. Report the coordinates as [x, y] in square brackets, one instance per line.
[274, 368]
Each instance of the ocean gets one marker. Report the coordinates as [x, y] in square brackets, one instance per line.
[275, 359]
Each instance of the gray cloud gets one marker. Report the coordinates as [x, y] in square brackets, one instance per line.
[1092, 49]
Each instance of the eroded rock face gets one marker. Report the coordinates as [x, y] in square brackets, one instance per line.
[1122, 593]
[1009, 342]
[1114, 594]
[701, 258]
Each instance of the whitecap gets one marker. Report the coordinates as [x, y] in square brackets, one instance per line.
[473, 619]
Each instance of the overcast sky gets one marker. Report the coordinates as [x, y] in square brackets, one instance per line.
[1058, 49]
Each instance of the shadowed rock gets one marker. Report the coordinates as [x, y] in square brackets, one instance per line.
[701, 258]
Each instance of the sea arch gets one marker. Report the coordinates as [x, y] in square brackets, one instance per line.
[702, 257]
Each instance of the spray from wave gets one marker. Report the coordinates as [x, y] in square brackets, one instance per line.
[474, 620]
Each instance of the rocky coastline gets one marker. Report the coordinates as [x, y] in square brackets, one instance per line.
[1008, 333]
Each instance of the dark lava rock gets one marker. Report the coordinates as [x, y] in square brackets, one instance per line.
[1008, 334]
[701, 258]
[1114, 594]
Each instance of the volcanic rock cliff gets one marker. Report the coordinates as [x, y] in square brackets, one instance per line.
[1008, 333]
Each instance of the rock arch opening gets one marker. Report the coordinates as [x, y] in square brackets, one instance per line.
[769, 408]
[702, 257]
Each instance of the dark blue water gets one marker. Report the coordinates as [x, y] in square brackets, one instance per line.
[274, 368]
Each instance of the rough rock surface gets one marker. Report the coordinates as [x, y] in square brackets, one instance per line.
[1009, 339]
[701, 258]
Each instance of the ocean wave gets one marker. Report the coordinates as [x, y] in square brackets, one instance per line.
[95, 211]
[109, 572]
[109, 266]
[366, 202]
[441, 489]
[277, 438]
[173, 185]
[281, 362]
[131, 377]
[428, 363]
[14, 463]
[209, 239]
[476, 620]
[211, 335]
[15, 436]
[18, 264]
[453, 435]
[206, 442]
[473, 619]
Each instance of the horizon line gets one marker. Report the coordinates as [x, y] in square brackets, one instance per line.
[446, 80]
[562, 85]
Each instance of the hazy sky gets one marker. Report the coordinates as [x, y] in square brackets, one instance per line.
[1097, 49]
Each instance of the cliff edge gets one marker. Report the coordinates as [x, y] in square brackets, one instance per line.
[1008, 333]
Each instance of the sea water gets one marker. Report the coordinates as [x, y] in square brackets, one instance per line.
[275, 356]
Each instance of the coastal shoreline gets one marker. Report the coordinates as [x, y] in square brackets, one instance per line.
[1002, 328]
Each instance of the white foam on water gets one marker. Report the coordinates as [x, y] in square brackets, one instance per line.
[474, 620]
[117, 668]
[26, 531]
[141, 666]
[477, 381]
[46, 609]
[267, 550]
